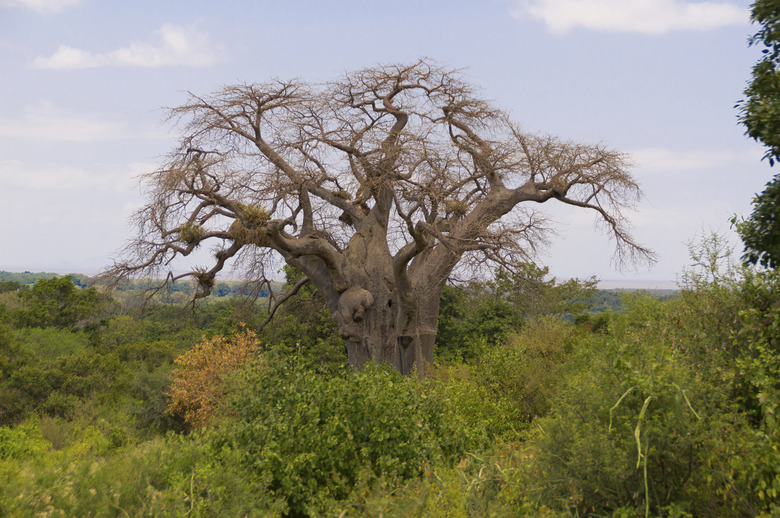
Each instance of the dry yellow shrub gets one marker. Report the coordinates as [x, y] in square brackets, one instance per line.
[197, 388]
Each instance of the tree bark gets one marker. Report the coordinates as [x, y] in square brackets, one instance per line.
[397, 155]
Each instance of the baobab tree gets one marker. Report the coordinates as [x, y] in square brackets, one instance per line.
[377, 187]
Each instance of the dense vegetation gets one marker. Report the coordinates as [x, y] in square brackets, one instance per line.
[667, 407]
[759, 113]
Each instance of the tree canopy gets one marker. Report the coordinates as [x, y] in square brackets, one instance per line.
[379, 187]
[760, 114]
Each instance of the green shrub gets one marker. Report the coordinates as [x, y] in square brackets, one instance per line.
[630, 426]
[50, 343]
[486, 418]
[170, 476]
[524, 369]
[54, 385]
[148, 355]
[8, 286]
[313, 439]
[22, 442]
[149, 392]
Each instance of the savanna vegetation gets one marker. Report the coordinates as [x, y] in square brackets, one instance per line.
[537, 397]
[535, 406]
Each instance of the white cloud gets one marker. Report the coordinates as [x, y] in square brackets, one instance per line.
[178, 46]
[642, 16]
[46, 122]
[41, 6]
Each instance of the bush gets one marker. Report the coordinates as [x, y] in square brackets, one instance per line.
[172, 476]
[486, 418]
[524, 369]
[22, 442]
[57, 302]
[633, 425]
[312, 440]
[149, 390]
[37, 383]
[197, 388]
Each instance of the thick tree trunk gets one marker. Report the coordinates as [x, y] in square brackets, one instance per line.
[408, 353]
[381, 317]
[369, 323]
[415, 353]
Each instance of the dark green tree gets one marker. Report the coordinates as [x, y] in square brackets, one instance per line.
[534, 292]
[493, 310]
[56, 302]
[760, 114]
[6, 286]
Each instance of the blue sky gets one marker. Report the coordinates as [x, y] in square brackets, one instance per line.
[84, 83]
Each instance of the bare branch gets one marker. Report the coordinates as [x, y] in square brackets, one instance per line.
[377, 186]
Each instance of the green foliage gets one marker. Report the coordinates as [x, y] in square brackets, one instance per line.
[494, 310]
[452, 311]
[49, 343]
[303, 327]
[22, 442]
[6, 286]
[486, 417]
[668, 407]
[149, 392]
[313, 439]
[594, 323]
[525, 368]
[627, 424]
[468, 315]
[25, 277]
[760, 114]
[51, 371]
[56, 302]
[535, 293]
[170, 476]
[760, 233]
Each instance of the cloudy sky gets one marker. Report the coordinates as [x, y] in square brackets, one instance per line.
[84, 83]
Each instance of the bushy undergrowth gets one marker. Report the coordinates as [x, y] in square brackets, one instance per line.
[627, 429]
[312, 439]
[171, 476]
[668, 409]
[197, 388]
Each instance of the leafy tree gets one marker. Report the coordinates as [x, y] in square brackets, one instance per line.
[760, 114]
[492, 311]
[377, 187]
[6, 286]
[198, 386]
[56, 302]
[312, 440]
[534, 292]
[760, 233]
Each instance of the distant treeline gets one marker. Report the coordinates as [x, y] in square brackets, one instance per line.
[612, 300]
[24, 278]
[602, 301]
[11, 281]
